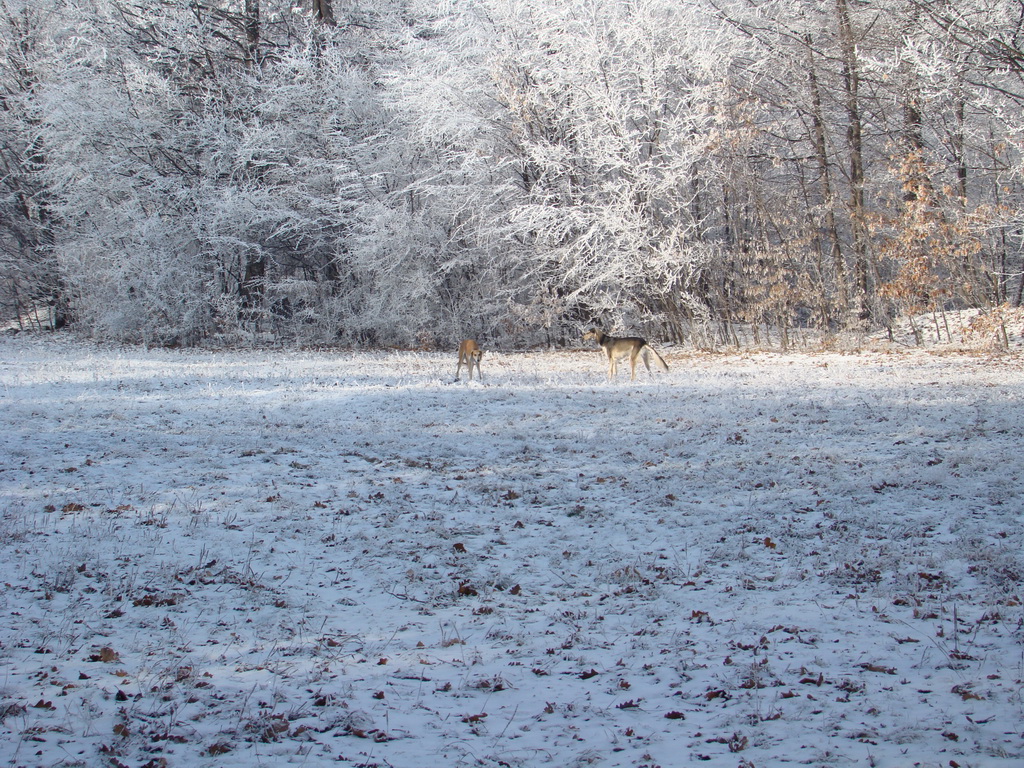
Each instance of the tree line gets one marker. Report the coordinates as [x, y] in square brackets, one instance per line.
[409, 172]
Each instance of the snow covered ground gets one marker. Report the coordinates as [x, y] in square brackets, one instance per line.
[331, 558]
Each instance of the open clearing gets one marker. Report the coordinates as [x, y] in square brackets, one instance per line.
[331, 558]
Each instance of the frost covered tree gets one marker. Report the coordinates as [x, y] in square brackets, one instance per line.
[415, 171]
[701, 167]
[561, 154]
[981, 69]
[612, 123]
[207, 179]
[450, 184]
[31, 289]
[844, 96]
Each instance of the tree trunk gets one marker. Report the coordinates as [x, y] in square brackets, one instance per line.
[324, 11]
[252, 32]
[833, 244]
[854, 135]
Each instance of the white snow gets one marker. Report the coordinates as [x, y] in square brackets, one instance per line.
[336, 558]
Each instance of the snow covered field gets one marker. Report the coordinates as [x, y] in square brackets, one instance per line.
[330, 558]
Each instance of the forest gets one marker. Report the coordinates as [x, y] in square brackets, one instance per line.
[404, 173]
